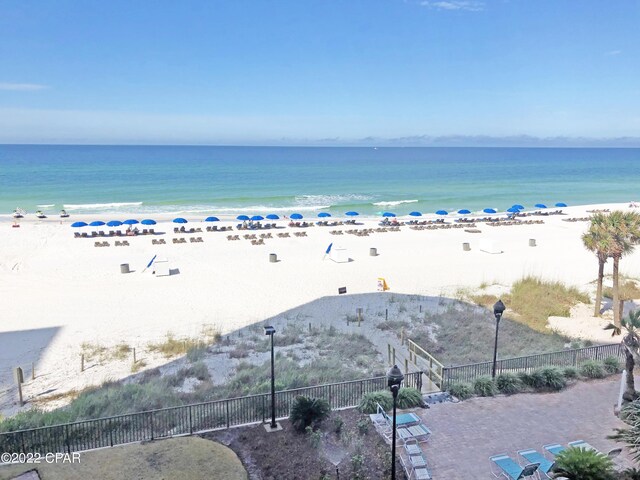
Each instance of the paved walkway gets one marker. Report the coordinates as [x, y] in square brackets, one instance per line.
[466, 434]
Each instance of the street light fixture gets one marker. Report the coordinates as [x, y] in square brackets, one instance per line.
[269, 330]
[394, 379]
[498, 308]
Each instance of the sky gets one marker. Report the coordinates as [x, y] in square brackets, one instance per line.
[320, 72]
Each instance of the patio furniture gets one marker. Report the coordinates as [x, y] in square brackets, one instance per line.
[533, 456]
[418, 432]
[414, 472]
[509, 468]
[401, 420]
[554, 448]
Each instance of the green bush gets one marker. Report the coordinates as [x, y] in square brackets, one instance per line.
[409, 398]
[307, 411]
[581, 464]
[553, 378]
[370, 401]
[461, 391]
[592, 369]
[570, 373]
[611, 365]
[534, 379]
[484, 387]
[508, 383]
[630, 474]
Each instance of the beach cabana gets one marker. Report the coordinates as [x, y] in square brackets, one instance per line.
[388, 214]
[415, 214]
[212, 219]
[148, 221]
[540, 205]
[180, 220]
[273, 216]
[324, 215]
[489, 210]
[78, 224]
[442, 212]
[97, 223]
[561, 205]
[464, 211]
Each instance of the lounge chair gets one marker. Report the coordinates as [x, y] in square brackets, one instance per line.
[418, 432]
[508, 468]
[404, 419]
[417, 471]
[583, 445]
[533, 456]
[554, 448]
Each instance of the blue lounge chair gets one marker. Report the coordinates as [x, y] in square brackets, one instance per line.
[533, 456]
[512, 470]
[402, 420]
[583, 445]
[554, 448]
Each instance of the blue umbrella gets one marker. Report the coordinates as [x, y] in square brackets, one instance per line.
[114, 223]
[560, 204]
[273, 216]
[489, 210]
[442, 212]
[519, 207]
[148, 221]
[388, 214]
[464, 211]
[257, 218]
[97, 223]
[513, 210]
[415, 214]
[78, 224]
[212, 219]
[540, 205]
[296, 216]
[352, 214]
[131, 221]
[243, 218]
[179, 220]
[324, 215]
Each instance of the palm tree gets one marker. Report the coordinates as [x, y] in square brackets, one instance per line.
[631, 344]
[597, 240]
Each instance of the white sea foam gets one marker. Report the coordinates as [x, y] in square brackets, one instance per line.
[101, 206]
[394, 202]
[47, 205]
[321, 201]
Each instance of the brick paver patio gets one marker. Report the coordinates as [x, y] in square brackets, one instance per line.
[466, 434]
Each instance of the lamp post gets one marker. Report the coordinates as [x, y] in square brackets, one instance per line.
[394, 379]
[498, 308]
[269, 330]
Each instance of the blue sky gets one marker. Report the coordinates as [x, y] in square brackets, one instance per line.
[319, 72]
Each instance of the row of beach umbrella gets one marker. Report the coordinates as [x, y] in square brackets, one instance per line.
[295, 216]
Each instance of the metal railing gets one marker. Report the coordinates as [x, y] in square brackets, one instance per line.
[426, 362]
[186, 419]
[564, 358]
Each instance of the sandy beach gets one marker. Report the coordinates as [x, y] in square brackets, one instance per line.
[60, 292]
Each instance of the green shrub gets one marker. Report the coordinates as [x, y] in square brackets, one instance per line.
[314, 436]
[570, 373]
[553, 378]
[630, 474]
[484, 387]
[611, 365]
[592, 369]
[409, 398]
[370, 401]
[461, 391]
[363, 426]
[337, 424]
[581, 464]
[508, 383]
[307, 411]
[535, 379]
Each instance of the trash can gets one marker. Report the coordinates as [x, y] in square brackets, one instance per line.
[373, 252]
[532, 242]
[273, 258]
[124, 268]
[466, 247]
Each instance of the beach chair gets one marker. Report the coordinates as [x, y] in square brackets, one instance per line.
[583, 445]
[404, 419]
[416, 432]
[415, 472]
[508, 468]
[76, 235]
[554, 448]
[533, 456]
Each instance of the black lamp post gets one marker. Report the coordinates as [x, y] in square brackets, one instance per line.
[498, 308]
[394, 379]
[270, 331]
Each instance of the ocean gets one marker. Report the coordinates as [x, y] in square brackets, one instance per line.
[193, 181]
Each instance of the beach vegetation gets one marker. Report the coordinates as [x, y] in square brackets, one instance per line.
[307, 411]
[197, 353]
[122, 351]
[394, 325]
[553, 378]
[484, 387]
[597, 240]
[461, 391]
[592, 369]
[508, 383]
[370, 401]
[409, 397]
[93, 351]
[137, 366]
[630, 327]
[583, 464]
[172, 346]
[570, 373]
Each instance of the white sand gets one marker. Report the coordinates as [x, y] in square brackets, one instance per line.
[59, 292]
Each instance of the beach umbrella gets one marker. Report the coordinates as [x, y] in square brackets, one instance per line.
[257, 218]
[415, 214]
[442, 212]
[97, 223]
[464, 211]
[78, 224]
[519, 207]
[560, 204]
[296, 216]
[148, 221]
[243, 218]
[114, 223]
[212, 219]
[179, 220]
[540, 205]
[489, 210]
[273, 216]
[513, 210]
[388, 214]
[324, 215]
[352, 214]
[131, 221]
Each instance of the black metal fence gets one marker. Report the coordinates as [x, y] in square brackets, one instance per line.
[186, 419]
[564, 358]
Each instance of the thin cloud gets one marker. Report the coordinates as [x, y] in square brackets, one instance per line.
[612, 53]
[22, 87]
[468, 5]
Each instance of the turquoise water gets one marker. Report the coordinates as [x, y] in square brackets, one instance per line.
[262, 180]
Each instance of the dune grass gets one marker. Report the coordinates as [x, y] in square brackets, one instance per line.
[628, 291]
